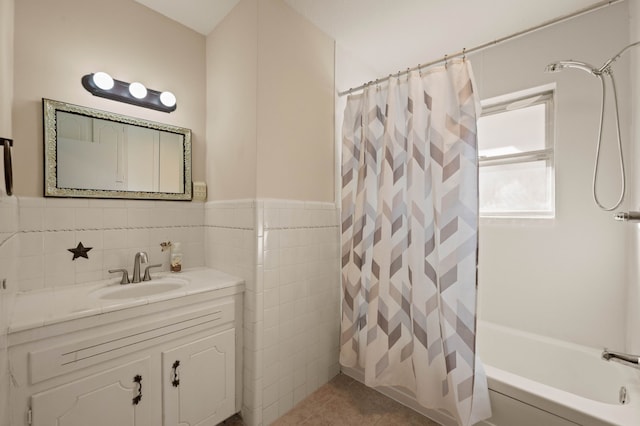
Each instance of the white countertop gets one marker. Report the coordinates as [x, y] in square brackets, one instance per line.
[54, 305]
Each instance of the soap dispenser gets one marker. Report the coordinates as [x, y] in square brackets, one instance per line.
[176, 257]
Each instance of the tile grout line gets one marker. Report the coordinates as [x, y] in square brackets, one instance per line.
[27, 231]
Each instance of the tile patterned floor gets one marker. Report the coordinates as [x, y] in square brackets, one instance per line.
[345, 402]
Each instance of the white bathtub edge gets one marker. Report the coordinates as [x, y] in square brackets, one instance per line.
[582, 410]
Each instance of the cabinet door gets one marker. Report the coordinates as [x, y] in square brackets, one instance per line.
[199, 381]
[104, 399]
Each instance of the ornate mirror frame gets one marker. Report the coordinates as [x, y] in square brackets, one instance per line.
[51, 189]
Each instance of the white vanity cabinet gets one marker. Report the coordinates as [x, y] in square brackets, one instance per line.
[198, 381]
[173, 362]
[105, 399]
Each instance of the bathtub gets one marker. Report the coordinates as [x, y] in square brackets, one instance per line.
[539, 381]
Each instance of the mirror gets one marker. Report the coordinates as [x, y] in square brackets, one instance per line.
[98, 154]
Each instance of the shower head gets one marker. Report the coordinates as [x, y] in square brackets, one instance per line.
[560, 65]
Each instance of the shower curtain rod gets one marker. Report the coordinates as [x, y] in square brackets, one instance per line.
[480, 47]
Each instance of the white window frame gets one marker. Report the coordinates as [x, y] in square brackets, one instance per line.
[525, 98]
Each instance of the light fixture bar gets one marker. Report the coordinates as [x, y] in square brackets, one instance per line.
[120, 92]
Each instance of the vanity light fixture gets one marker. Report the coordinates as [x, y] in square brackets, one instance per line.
[137, 90]
[168, 99]
[103, 80]
[103, 85]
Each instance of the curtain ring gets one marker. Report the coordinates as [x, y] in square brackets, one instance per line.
[446, 64]
[420, 69]
[464, 54]
[377, 85]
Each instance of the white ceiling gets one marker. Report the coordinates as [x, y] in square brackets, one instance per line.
[389, 35]
[199, 15]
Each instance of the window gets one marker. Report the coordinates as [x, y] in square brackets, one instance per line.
[515, 148]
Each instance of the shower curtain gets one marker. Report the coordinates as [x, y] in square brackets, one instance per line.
[409, 235]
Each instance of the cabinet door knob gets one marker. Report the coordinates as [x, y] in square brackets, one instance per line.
[136, 399]
[176, 381]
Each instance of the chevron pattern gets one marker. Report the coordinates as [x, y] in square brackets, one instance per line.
[409, 239]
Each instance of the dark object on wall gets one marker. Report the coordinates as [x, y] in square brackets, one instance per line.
[80, 251]
[8, 169]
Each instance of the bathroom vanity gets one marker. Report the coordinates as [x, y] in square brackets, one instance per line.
[104, 355]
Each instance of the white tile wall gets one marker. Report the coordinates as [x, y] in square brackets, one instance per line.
[9, 248]
[9, 245]
[288, 252]
[230, 246]
[115, 229]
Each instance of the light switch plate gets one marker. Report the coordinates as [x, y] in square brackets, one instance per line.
[199, 191]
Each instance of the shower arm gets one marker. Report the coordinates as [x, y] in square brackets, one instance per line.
[615, 57]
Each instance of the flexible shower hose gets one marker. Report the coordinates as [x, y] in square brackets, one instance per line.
[623, 178]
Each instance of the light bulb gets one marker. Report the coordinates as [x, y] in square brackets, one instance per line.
[137, 90]
[103, 80]
[168, 99]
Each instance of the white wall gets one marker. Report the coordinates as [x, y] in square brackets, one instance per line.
[270, 78]
[8, 205]
[56, 43]
[115, 229]
[271, 218]
[232, 67]
[633, 254]
[295, 106]
[565, 277]
[6, 66]
[9, 247]
[288, 253]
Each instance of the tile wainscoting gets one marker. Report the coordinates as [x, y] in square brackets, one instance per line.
[288, 253]
[8, 240]
[9, 246]
[115, 229]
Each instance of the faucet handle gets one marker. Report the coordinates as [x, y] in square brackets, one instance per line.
[147, 276]
[125, 275]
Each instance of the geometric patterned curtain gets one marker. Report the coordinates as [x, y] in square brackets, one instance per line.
[410, 238]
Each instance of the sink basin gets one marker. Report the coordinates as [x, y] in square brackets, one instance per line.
[148, 288]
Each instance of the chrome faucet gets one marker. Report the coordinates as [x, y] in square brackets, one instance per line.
[625, 359]
[141, 257]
